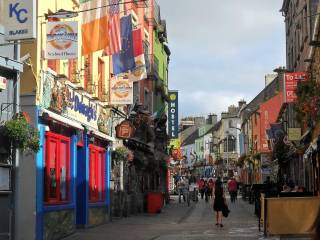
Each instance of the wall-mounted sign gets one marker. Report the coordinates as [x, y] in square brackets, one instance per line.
[121, 91]
[3, 83]
[290, 85]
[173, 114]
[62, 40]
[19, 19]
[61, 97]
[125, 130]
[294, 134]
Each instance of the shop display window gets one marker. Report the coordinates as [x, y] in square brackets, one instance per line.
[96, 174]
[57, 168]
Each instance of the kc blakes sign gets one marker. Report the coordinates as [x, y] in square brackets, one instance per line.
[19, 18]
[173, 114]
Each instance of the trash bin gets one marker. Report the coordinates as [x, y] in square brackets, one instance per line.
[155, 202]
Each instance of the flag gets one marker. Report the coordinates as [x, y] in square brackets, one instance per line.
[140, 71]
[124, 60]
[94, 27]
[114, 28]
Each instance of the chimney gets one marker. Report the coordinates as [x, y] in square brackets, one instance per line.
[212, 119]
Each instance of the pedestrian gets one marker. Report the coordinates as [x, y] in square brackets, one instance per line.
[232, 188]
[211, 185]
[219, 202]
[201, 187]
[206, 191]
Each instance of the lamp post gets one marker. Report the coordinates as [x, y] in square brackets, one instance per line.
[227, 133]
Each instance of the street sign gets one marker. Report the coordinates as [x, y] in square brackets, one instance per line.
[19, 19]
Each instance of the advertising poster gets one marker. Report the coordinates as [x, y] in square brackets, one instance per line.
[62, 40]
[290, 85]
[173, 117]
[121, 90]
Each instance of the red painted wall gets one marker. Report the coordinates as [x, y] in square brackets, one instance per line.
[269, 112]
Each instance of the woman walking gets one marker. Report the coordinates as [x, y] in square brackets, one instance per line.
[218, 203]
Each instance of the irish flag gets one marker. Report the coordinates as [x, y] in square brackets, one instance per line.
[94, 27]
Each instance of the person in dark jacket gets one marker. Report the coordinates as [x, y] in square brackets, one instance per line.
[218, 202]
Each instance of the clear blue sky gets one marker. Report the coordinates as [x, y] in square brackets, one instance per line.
[221, 50]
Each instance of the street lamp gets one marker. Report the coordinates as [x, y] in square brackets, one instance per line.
[227, 133]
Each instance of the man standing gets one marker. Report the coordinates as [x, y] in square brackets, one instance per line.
[233, 188]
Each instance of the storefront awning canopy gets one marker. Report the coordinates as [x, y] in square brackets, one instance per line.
[63, 120]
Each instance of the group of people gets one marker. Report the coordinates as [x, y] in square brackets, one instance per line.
[206, 188]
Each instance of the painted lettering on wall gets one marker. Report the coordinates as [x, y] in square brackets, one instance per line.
[84, 109]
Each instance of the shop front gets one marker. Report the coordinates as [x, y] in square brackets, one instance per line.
[73, 162]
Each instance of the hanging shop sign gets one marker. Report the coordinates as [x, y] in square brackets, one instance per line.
[19, 18]
[61, 97]
[294, 134]
[173, 114]
[125, 130]
[290, 85]
[3, 83]
[121, 91]
[62, 40]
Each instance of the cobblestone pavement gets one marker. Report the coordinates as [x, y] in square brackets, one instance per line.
[180, 222]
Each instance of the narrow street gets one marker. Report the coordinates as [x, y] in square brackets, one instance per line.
[177, 221]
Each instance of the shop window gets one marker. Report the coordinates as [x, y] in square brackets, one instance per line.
[96, 174]
[57, 168]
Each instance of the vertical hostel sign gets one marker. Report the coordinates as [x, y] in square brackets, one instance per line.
[290, 85]
[19, 19]
[173, 114]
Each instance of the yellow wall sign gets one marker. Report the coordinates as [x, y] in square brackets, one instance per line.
[294, 134]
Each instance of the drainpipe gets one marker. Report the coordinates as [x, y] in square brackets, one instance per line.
[15, 158]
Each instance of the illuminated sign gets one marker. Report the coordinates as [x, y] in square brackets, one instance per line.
[173, 114]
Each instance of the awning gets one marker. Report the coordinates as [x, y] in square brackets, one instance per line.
[101, 135]
[60, 119]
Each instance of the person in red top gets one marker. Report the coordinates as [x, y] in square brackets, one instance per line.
[201, 187]
[233, 189]
[211, 186]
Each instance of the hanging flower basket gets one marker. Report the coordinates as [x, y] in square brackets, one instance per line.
[17, 133]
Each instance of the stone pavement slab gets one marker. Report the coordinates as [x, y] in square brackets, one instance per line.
[177, 222]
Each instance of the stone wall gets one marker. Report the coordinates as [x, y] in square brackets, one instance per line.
[58, 224]
[97, 216]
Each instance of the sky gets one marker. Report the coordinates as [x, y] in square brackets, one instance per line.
[221, 50]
